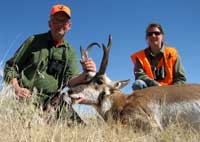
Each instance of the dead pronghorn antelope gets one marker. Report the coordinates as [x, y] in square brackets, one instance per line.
[154, 106]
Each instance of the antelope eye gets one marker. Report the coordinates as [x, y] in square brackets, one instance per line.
[99, 81]
[69, 91]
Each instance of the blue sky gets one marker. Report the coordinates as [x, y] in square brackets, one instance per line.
[94, 20]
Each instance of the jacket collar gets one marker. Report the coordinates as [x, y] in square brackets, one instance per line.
[162, 50]
[50, 39]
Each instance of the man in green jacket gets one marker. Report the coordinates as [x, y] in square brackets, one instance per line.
[46, 62]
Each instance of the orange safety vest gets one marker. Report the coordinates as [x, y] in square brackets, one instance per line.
[168, 60]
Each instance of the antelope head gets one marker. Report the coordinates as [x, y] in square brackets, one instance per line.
[95, 91]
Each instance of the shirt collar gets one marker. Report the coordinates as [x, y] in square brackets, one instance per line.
[50, 39]
[162, 50]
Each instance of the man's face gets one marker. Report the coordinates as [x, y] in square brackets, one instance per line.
[59, 24]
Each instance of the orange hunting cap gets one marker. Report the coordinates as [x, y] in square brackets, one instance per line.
[60, 7]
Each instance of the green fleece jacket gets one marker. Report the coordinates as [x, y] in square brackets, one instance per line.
[33, 62]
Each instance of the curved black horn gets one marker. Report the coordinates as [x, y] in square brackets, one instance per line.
[91, 45]
[104, 62]
[85, 53]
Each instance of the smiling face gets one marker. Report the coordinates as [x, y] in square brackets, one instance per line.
[154, 37]
[59, 25]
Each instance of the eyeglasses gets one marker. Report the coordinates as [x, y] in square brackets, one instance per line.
[155, 33]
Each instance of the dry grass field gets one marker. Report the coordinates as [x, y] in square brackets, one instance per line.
[21, 122]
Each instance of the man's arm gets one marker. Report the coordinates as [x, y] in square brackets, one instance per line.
[73, 76]
[88, 66]
[14, 66]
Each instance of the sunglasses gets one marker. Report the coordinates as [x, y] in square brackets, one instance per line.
[155, 33]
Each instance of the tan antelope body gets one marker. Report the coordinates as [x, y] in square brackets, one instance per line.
[153, 106]
[158, 106]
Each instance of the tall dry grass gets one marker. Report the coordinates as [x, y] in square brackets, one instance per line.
[22, 122]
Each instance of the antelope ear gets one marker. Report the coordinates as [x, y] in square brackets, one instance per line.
[120, 84]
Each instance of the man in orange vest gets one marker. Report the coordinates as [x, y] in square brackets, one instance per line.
[157, 65]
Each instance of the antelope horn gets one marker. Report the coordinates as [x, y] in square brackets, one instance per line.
[85, 53]
[104, 61]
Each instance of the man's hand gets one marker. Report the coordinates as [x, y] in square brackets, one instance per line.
[20, 91]
[88, 65]
[89, 70]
